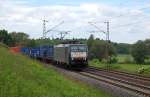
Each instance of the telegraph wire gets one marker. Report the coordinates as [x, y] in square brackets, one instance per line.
[121, 15]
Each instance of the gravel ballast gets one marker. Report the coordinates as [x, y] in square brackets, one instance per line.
[107, 88]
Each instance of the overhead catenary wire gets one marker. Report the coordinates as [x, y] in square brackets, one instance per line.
[121, 15]
[45, 31]
[96, 27]
[129, 24]
[55, 27]
[62, 33]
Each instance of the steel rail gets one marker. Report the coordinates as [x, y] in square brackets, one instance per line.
[139, 91]
[117, 79]
[122, 76]
[122, 73]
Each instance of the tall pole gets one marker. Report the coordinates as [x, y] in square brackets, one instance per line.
[107, 40]
[63, 33]
[44, 29]
[107, 35]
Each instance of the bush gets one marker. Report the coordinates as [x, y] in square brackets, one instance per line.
[112, 66]
[101, 49]
[141, 51]
[142, 70]
[112, 60]
[96, 60]
[128, 60]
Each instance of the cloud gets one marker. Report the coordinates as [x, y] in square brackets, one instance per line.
[19, 16]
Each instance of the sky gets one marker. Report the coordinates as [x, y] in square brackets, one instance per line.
[129, 20]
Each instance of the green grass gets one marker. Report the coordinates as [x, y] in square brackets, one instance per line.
[3, 45]
[131, 68]
[23, 77]
[125, 58]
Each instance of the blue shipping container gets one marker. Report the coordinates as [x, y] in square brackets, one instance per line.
[25, 50]
[34, 52]
[46, 52]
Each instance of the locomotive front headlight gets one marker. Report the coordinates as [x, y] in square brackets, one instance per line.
[72, 58]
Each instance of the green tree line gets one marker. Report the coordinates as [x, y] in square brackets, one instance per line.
[99, 49]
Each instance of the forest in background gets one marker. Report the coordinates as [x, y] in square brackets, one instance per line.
[98, 48]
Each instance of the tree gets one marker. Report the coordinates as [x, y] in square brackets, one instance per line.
[19, 38]
[122, 48]
[31, 43]
[98, 48]
[6, 38]
[90, 40]
[90, 44]
[141, 51]
[147, 43]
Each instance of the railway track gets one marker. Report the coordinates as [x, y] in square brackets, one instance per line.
[131, 82]
[122, 73]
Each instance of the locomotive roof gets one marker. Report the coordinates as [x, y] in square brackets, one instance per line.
[66, 45]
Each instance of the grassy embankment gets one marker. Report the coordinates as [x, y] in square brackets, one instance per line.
[23, 77]
[131, 67]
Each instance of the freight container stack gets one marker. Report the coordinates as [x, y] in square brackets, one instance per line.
[25, 51]
[15, 50]
[46, 52]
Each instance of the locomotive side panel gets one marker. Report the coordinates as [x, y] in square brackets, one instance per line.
[61, 54]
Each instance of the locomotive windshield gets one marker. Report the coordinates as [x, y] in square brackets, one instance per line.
[78, 48]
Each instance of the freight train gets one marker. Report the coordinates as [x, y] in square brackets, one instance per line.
[69, 55]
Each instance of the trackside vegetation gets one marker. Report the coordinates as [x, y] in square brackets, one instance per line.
[125, 67]
[22, 77]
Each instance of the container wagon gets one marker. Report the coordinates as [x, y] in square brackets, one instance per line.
[45, 53]
[34, 52]
[25, 50]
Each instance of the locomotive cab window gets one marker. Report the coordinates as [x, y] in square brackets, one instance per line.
[77, 48]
